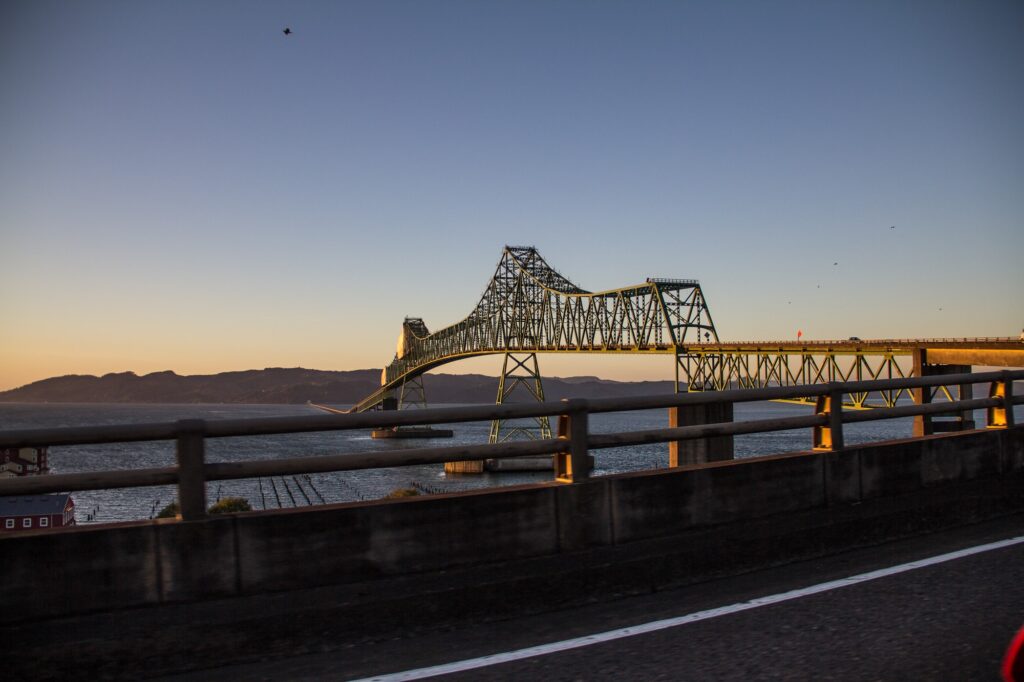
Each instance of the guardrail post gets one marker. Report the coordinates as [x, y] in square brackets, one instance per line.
[966, 392]
[830, 436]
[191, 469]
[922, 394]
[1001, 416]
[575, 465]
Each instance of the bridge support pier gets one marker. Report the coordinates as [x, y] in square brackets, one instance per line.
[524, 372]
[925, 425]
[412, 396]
[686, 452]
[520, 371]
[697, 373]
[516, 370]
[475, 466]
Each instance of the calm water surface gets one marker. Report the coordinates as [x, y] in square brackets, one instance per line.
[289, 491]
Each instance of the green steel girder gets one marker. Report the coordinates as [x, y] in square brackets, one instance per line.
[525, 374]
[529, 307]
[718, 369]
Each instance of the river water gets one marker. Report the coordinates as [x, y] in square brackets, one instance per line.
[104, 506]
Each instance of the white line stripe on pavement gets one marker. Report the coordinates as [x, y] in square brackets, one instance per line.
[577, 642]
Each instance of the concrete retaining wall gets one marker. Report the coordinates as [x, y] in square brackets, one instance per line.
[789, 499]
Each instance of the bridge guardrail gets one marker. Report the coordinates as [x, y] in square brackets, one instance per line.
[867, 342]
[571, 447]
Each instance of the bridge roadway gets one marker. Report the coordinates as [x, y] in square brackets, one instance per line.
[854, 345]
[981, 351]
[951, 620]
[995, 352]
[529, 307]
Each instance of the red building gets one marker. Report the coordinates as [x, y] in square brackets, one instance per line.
[36, 512]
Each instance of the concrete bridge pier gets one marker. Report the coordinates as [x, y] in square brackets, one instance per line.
[700, 451]
[926, 425]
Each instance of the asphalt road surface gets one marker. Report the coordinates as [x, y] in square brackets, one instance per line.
[947, 621]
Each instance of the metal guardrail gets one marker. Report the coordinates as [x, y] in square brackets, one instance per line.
[571, 447]
[967, 340]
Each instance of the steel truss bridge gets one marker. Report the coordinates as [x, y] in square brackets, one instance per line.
[759, 364]
[529, 308]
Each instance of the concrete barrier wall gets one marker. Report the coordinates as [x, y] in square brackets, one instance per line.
[133, 564]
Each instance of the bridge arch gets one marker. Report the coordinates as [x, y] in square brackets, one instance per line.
[529, 307]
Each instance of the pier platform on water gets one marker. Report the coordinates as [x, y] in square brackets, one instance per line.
[412, 432]
[517, 464]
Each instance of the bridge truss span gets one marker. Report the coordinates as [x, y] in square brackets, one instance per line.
[721, 368]
[761, 364]
[529, 307]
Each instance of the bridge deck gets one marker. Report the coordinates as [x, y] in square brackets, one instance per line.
[528, 307]
[982, 351]
[899, 346]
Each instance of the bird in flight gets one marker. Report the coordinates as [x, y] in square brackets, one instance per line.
[287, 31]
[892, 227]
[836, 263]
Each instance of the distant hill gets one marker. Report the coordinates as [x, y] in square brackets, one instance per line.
[278, 385]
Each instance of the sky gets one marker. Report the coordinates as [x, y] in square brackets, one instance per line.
[184, 187]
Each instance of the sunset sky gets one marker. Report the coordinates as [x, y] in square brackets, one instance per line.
[184, 187]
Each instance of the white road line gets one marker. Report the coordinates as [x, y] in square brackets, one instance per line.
[575, 643]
